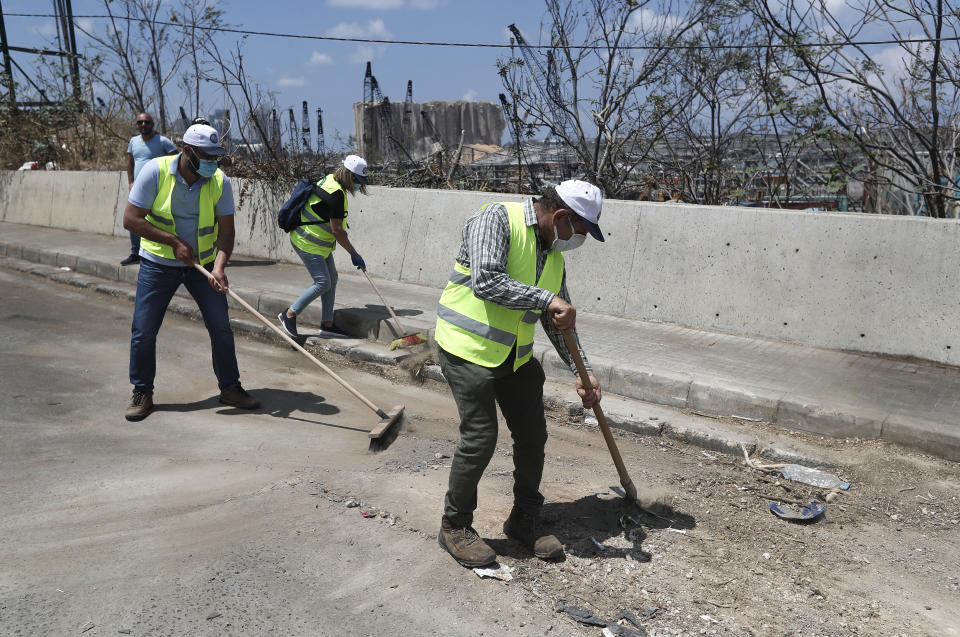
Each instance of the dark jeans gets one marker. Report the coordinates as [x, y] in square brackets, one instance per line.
[156, 285]
[478, 390]
[134, 244]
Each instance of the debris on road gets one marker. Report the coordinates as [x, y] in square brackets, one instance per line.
[598, 545]
[615, 630]
[503, 573]
[352, 504]
[813, 477]
[787, 512]
[581, 614]
[86, 627]
[213, 615]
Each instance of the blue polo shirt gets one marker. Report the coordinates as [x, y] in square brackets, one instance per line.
[184, 204]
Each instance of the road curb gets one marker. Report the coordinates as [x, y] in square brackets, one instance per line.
[710, 396]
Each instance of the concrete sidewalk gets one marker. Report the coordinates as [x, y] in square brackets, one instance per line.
[827, 392]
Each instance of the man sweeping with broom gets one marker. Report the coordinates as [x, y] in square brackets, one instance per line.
[508, 274]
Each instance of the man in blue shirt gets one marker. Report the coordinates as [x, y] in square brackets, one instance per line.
[141, 149]
[183, 208]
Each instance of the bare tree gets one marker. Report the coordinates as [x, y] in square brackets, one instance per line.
[594, 86]
[902, 118]
[712, 67]
[143, 46]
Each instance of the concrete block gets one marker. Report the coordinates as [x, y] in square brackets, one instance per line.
[109, 271]
[358, 322]
[270, 305]
[939, 439]
[251, 326]
[649, 386]
[377, 354]
[637, 425]
[66, 260]
[708, 437]
[250, 296]
[127, 273]
[83, 200]
[47, 257]
[341, 346]
[796, 413]
[14, 250]
[553, 366]
[30, 253]
[779, 454]
[714, 398]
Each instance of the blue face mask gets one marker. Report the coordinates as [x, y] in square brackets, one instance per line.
[203, 167]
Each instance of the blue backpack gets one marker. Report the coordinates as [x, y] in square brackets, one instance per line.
[288, 218]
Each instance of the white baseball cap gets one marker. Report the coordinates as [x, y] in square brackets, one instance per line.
[204, 138]
[585, 200]
[358, 166]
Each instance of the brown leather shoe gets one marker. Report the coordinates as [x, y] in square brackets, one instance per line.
[465, 545]
[141, 404]
[524, 527]
[237, 396]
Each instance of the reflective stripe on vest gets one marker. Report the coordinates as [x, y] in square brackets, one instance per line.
[161, 215]
[318, 238]
[483, 332]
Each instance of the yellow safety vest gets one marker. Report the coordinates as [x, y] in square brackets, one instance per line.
[161, 216]
[318, 238]
[483, 332]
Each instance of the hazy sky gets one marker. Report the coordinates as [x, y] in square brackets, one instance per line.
[330, 74]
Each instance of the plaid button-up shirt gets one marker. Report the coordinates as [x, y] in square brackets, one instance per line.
[484, 246]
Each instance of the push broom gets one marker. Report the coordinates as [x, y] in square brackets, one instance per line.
[405, 340]
[382, 433]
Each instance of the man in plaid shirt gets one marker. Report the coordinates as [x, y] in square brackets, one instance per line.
[509, 275]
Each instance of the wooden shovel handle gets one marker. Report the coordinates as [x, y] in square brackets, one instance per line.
[625, 481]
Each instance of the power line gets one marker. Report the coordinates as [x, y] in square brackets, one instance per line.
[639, 47]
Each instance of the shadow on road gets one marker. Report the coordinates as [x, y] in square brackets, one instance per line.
[585, 525]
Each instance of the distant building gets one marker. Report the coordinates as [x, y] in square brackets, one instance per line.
[381, 134]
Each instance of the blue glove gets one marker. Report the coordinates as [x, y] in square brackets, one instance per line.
[357, 260]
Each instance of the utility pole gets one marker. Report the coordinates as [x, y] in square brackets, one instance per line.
[7, 68]
[74, 58]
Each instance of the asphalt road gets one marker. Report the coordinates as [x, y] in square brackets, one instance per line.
[206, 520]
[203, 519]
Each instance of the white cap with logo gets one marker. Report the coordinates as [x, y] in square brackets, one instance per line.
[358, 166]
[204, 138]
[585, 200]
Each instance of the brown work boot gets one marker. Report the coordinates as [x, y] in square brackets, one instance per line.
[465, 545]
[141, 404]
[523, 526]
[238, 397]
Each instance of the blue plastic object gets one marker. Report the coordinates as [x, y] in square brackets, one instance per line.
[788, 512]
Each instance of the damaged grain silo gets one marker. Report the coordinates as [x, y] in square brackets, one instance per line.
[408, 131]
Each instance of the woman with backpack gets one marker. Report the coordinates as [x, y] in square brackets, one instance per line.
[323, 222]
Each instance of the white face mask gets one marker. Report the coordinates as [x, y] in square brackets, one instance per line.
[565, 245]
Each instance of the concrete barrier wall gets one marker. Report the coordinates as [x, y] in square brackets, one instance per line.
[846, 281]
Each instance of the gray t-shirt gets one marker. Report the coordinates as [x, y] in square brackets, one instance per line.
[144, 151]
[184, 204]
